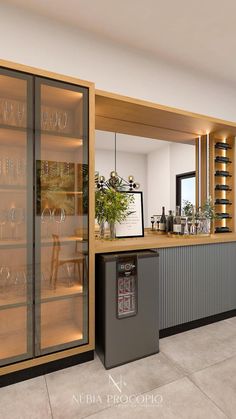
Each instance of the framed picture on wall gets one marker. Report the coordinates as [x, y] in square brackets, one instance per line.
[133, 226]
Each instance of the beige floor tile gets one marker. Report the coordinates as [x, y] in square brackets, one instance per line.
[180, 399]
[25, 400]
[82, 390]
[231, 320]
[202, 347]
[219, 383]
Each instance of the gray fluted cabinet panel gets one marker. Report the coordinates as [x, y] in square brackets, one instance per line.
[196, 282]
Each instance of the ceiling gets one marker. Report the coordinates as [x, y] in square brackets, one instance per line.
[199, 35]
[127, 143]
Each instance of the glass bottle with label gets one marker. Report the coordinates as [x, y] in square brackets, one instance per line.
[162, 224]
[177, 222]
[169, 222]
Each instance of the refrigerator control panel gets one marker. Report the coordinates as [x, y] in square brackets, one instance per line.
[126, 287]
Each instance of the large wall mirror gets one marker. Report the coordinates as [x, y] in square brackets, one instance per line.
[165, 170]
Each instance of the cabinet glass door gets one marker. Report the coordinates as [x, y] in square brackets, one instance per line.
[16, 224]
[61, 206]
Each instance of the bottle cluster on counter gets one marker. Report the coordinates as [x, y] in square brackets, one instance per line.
[174, 223]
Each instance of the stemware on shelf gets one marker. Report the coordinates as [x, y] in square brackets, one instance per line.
[4, 277]
[12, 220]
[54, 120]
[3, 221]
[62, 120]
[20, 113]
[19, 220]
[19, 280]
[70, 267]
[46, 218]
[59, 216]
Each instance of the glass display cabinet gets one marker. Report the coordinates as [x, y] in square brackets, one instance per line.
[44, 216]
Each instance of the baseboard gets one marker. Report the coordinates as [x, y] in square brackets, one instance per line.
[43, 369]
[196, 323]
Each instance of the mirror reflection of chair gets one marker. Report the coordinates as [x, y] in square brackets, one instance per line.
[77, 259]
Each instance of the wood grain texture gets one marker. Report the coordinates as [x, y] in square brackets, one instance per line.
[44, 73]
[155, 241]
[113, 110]
[92, 216]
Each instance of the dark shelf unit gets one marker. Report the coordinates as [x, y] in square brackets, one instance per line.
[222, 182]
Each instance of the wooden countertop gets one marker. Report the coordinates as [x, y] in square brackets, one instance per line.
[155, 241]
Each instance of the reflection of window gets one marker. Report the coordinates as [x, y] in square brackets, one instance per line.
[185, 188]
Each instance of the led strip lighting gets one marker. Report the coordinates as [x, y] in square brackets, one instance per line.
[199, 171]
[207, 166]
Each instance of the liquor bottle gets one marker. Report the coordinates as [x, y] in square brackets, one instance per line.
[184, 230]
[222, 201]
[162, 224]
[223, 173]
[177, 229]
[222, 230]
[223, 215]
[223, 146]
[222, 159]
[222, 188]
[169, 222]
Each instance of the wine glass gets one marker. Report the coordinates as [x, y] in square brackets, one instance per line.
[20, 281]
[19, 219]
[53, 121]
[4, 277]
[44, 120]
[59, 216]
[46, 218]
[70, 267]
[3, 220]
[8, 109]
[20, 113]
[45, 276]
[62, 120]
[12, 219]
[152, 223]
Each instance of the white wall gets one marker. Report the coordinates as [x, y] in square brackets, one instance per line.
[182, 160]
[33, 40]
[158, 181]
[127, 164]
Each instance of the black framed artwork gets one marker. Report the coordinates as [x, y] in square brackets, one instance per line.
[133, 226]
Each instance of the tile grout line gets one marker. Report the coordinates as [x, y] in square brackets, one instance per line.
[202, 369]
[212, 365]
[208, 397]
[175, 364]
[49, 400]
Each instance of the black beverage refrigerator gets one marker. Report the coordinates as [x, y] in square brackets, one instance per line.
[127, 309]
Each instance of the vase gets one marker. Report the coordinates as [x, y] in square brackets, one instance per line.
[207, 226]
[112, 230]
[102, 229]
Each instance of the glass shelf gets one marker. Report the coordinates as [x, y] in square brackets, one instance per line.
[66, 332]
[44, 241]
[62, 292]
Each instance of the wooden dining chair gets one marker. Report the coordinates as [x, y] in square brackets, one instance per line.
[78, 259]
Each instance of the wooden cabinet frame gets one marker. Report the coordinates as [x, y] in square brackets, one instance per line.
[90, 346]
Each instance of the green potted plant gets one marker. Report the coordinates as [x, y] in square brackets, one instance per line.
[111, 206]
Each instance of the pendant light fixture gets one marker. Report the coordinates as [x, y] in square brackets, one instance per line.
[116, 181]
